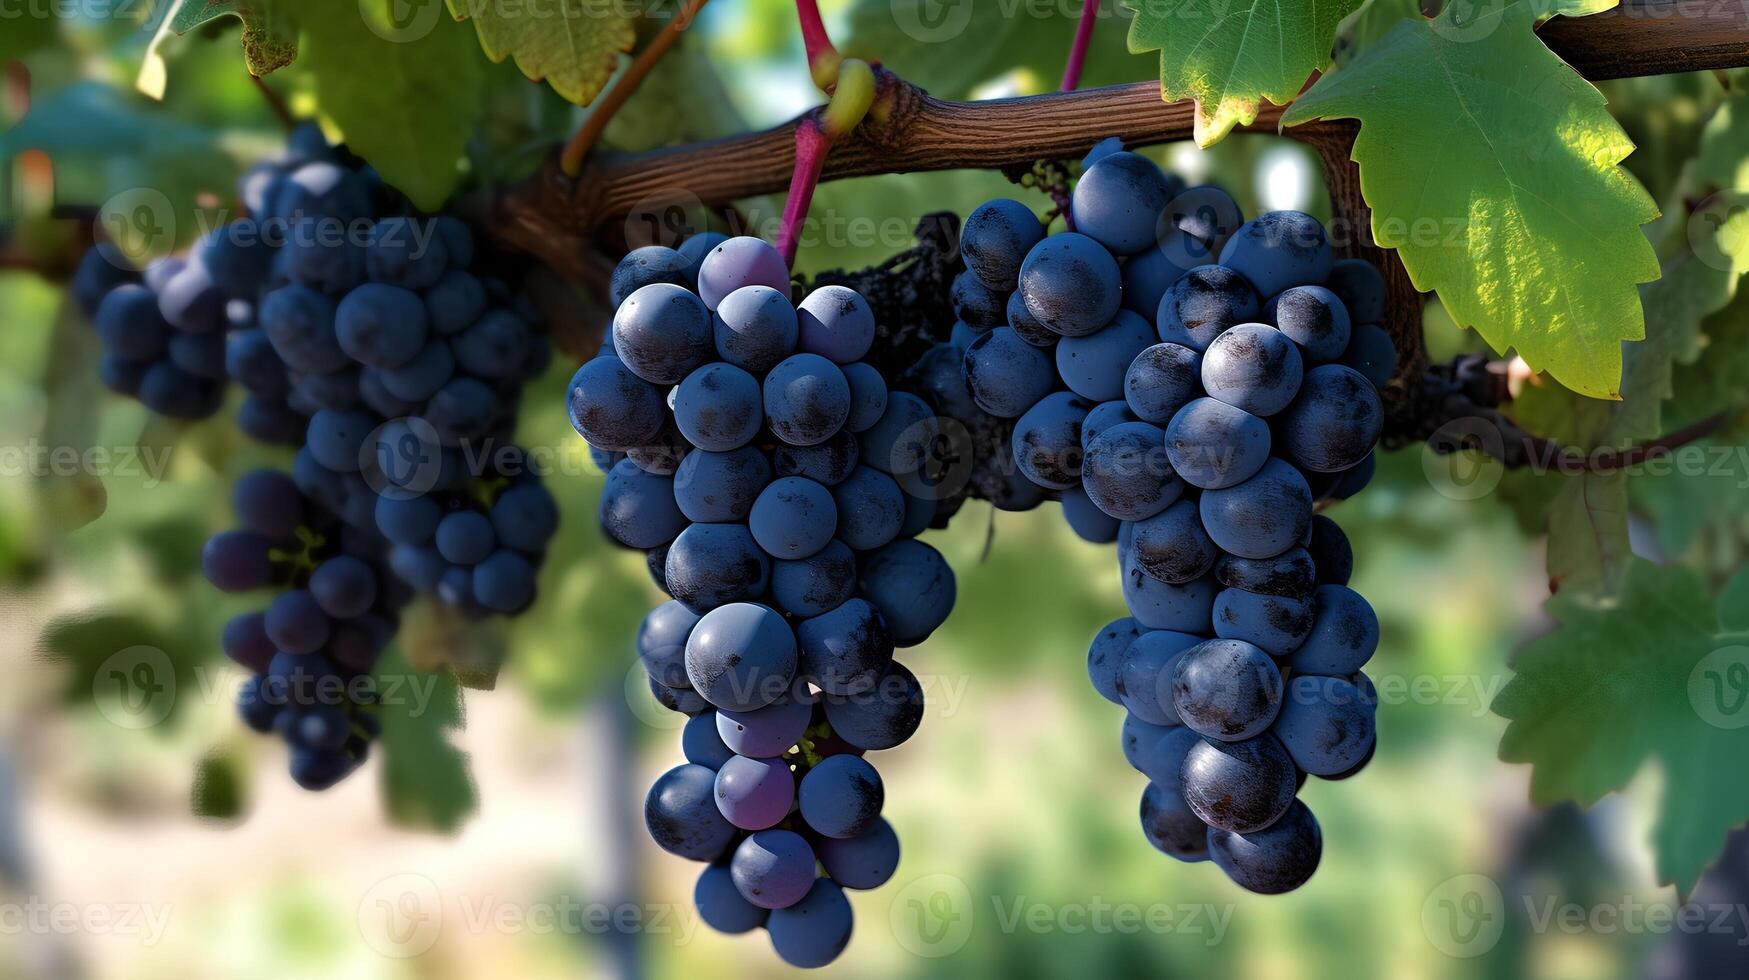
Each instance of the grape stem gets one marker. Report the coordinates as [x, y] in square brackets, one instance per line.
[571, 159]
[823, 58]
[1078, 49]
[280, 109]
[852, 96]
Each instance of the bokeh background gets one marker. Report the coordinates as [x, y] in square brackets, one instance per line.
[145, 834]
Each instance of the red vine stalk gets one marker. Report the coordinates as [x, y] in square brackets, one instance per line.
[280, 109]
[823, 58]
[571, 160]
[1078, 49]
[852, 95]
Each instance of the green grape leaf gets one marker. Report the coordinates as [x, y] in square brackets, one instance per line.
[573, 44]
[1230, 56]
[270, 36]
[1641, 678]
[426, 782]
[405, 94]
[1500, 189]
[950, 49]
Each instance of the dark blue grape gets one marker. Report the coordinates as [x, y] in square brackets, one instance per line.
[1139, 738]
[1274, 860]
[836, 323]
[1334, 423]
[1277, 624]
[1105, 657]
[1361, 288]
[1119, 199]
[268, 503]
[662, 332]
[1291, 573]
[827, 464]
[245, 641]
[504, 582]
[1005, 374]
[755, 327]
[1070, 284]
[1262, 517]
[841, 797]
[237, 561]
[1214, 445]
[201, 355]
[912, 586]
[613, 408]
[681, 814]
[720, 487]
[754, 794]
[381, 325]
[525, 517]
[465, 537]
[1103, 416]
[1202, 304]
[816, 584]
[129, 324]
[1330, 552]
[1149, 273]
[1279, 250]
[1326, 724]
[806, 400]
[1314, 318]
[345, 587]
[332, 266]
[712, 564]
[1026, 325]
[645, 266]
[882, 716]
[814, 931]
[1371, 352]
[1161, 380]
[868, 396]
[637, 508]
[741, 656]
[720, 904]
[1146, 671]
[702, 745]
[976, 305]
[1169, 824]
[296, 623]
[793, 517]
[455, 302]
[1084, 517]
[301, 324]
[695, 248]
[1047, 440]
[870, 509]
[421, 377]
[1344, 635]
[1126, 472]
[662, 642]
[1206, 213]
[1226, 689]
[995, 240]
[1253, 366]
[768, 732]
[189, 301]
[1186, 608]
[865, 861]
[256, 711]
[900, 442]
[1239, 786]
[1172, 545]
[336, 438]
[773, 869]
[718, 407]
[847, 650]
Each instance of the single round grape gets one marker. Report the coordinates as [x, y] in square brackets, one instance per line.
[246, 642]
[868, 396]
[712, 564]
[995, 240]
[827, 464]
[741, 656]
[129, 324]
[1291, 573]
[1226, 689]
[1084, 517]
[1239, 786]
[718, 407]
[1126, 472]
[638, 508]
[1173, 547]
[1335, 421]
[296, 623]
[1103, 416]
[754, 328]
[613, 408]
[1105, 656]
[1149, 273]
[720, 904]
[1314, 318]
[381, 325]
[768, 732]
[817, 584]
[841, 797]
[836, 323]
[1070, 284]
[268, 503]
[1330, 552]
[525, 517]
[1026, 325]
[1047, 440]
[407, 252]
[773, 869]
[1161, 380]
[847, 650]
[1160, 754]
[504, 582]
[1262, 517]
[720, 487]
[1146, 673]
[1254, 367]
[1372, 354]
[1161, 605]
[661, 642]
[865, 861]
[465, 537]
[174, 393]
[421, 377]
[814, 931]
[900, 442]
[912, 586]
[1277, 859]
[1214, 445]
[1280, 250]
[237, 561]
[1326, 724]
[1202, 304]
[870, 509]
[1361, 288]
[662, 332]
[737, 262]
[1169, 824]
[1005, 374]
[793, 518]
[1118, 201]
[646, 266]
[881, 716]
[682, 817]
[1276, 624]
[807, 400]
[1139, 737]
[345, 587]
[701, 743]
[1093, 366]
[754, 794]
[1344, 634]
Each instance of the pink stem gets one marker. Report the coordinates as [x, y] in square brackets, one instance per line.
[815, 43]
[812, 142]
[1078, 51]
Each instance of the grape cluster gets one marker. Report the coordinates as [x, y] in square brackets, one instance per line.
[1191, 386]
[772, 477]
[311, 650]
[370, 339]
